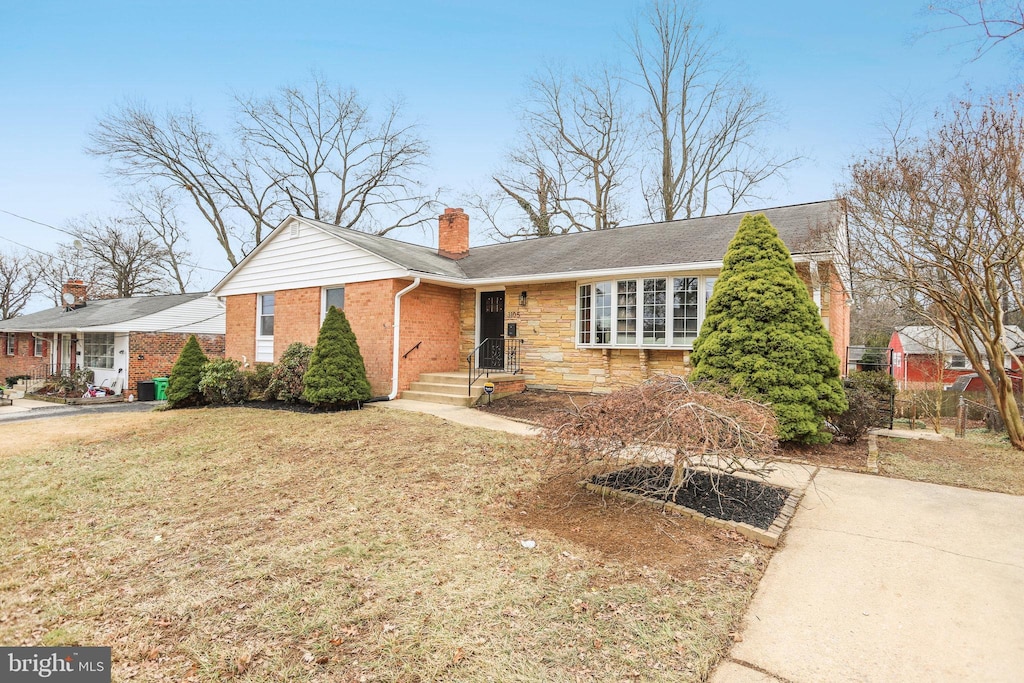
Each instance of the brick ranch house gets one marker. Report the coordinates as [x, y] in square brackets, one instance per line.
[924, 357]
[587, 311]
[123, 341]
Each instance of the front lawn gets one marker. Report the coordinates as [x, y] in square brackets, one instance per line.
[375, 545]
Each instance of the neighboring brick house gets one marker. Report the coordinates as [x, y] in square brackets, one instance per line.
[923, 357]
[590, 311]
[123, 341]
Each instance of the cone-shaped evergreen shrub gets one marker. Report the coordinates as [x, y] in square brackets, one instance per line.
[763, 336]
[183, 383]
[336, 377]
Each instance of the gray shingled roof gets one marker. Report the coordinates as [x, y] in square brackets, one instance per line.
[96, 313]
[927, 339]
[412, 256]
[694, 240]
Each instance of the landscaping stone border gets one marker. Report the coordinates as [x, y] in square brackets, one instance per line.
[769, 537]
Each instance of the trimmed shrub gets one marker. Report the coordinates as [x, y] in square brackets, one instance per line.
[869, 395]
[14, 379]
[286, 377]
[257, 380]
[763, 336]
[223, 382]
[183, 383]
[336, 377]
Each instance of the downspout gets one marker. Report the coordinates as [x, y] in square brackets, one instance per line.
[396, 350]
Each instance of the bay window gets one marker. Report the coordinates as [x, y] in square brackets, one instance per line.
[650, 312]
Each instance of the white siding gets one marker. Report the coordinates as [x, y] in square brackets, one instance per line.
[264, 349]
[204, 315]
[310, 259]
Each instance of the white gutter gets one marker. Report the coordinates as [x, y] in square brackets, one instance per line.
[396, 349]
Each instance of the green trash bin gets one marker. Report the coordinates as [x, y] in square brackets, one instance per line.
[160, 384]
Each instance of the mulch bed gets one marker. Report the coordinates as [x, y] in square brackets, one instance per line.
[734, 499]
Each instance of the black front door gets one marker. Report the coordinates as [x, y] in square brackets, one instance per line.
[492, 331]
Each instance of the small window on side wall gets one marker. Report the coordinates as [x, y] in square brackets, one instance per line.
[266, 316]
[37, 347]
[334, 296]
[12, 344]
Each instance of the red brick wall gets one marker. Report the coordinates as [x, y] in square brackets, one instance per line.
[152, 354]
[839, 318]
[23, 360]
[370, 309]
[240, 326]
[296, 318]
[430, 314]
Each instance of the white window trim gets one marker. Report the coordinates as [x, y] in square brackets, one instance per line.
[670, 343]
[259, 320]
[12, 344]
[37, 347]
[323, 299]
[89, 341]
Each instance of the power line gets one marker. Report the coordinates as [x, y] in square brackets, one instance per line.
[67, 232]
[23, 246]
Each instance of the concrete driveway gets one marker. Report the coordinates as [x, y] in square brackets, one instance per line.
[887, 580]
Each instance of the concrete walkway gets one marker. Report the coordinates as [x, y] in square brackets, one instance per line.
[466, 416]
[29, 409]
[888, 580]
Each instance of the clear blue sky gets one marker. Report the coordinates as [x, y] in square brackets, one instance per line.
[833, 69]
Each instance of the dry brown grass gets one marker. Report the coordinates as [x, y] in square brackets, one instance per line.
[981, 460]
[376, 545]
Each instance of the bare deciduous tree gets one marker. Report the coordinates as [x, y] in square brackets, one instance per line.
[566, 171]
[318, 152]
[991, 22]
[67, 262]
[19, 281]
[154, 211]
[667, 420]
[124, 258]
[705, 123]
[940, 219]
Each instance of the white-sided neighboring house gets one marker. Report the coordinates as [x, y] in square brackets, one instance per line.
[123, 341]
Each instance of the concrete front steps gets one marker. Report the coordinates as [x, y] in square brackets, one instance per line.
[449, 388]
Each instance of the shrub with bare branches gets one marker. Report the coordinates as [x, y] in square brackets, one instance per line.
[668, 421]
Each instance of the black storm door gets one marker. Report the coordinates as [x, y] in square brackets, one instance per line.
[492, 328]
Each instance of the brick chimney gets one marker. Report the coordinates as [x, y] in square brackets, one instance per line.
[453, 234]
[75, 287]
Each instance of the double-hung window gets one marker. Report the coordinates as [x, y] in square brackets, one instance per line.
[37, 347]
[648, 312]
[265, 328]
[12, 343]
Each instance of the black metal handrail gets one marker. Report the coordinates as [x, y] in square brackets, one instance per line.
[496, 354]
[406, 354]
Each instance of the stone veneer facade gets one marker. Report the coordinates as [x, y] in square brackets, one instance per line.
[551, 359]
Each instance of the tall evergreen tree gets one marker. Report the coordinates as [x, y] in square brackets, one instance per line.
[336, 377]
[763, 336]
[183, 383]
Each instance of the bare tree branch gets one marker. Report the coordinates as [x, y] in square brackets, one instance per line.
[565, 173]
[938, 222]
[989, 22]
[704, 122]
[19, 280]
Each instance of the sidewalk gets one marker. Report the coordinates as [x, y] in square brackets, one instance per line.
[466, 416]
[888, 580]
[30, 409]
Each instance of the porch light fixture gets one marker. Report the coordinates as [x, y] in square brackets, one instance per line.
[522, 298]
